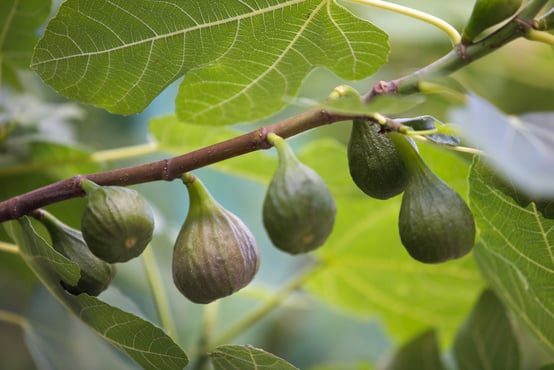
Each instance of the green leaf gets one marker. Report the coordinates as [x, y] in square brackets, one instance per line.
[368, 272]
[149, 346]
[229, 357]
[241, 56]
[515, 253]
[19, 20]
[274, 49]
[420, 353]
[486, 340]
[47, 331]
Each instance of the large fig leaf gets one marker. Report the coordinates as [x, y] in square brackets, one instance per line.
[242, 57]
[148, 345]
[230, 357]
[515, 252]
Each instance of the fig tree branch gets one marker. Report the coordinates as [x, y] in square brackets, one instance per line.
[172, 168]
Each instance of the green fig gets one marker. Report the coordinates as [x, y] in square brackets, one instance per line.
[215, 254]
[375, 165]
[487, 13]
[298, 209]
[117, 223]
[96, 274]
[435, 223]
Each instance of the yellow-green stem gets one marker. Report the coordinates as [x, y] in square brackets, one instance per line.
[13, 318]
[124, 153]
[444, 26]
[158, 291]
[540, 36]
[266, 307]
[9, 248]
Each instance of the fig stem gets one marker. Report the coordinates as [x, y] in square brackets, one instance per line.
[157, 286]
[441, 24]
[88, 185]
[13, 318]
[273, 302]
[540, 36]
[9, 248]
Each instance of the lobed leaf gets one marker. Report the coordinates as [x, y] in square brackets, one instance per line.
[148, 345]
[515, 252]
[241, 56]
[230, 357]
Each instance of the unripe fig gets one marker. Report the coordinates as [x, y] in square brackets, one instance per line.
[487, 13]
[375, 165]
[435, 223]
[117, 223]
[215, 254]
[96, 274]
[298, 210]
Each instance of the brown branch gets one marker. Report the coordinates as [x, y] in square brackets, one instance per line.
[167, 169]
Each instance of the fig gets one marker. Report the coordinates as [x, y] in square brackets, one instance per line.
[487, 13]
[96, 275]
[375, 165]
[117, 223]
[215, 254]
[298, 209]
[435, 223]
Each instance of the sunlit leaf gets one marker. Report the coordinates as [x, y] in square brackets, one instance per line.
[241, 56]
[148, 345]
[19, 21]
[231, 357]
[420, 353]
[515, 252]
[521, 148]
[486, 340]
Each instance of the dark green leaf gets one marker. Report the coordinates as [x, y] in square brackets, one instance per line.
[146, 344]
[486, 340]
[515, 252]
[421, 353]
[242, 57]
[231, 357]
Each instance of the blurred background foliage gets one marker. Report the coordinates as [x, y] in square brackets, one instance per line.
[307, 331]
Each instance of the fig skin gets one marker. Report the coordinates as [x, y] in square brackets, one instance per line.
[435, 223]
[117, 223]
[374, 163]
[96, 275]
[215, 254]
[298, 210]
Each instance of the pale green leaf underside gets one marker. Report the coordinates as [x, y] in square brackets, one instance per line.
[232, 357]
[244, 56]
[515, 253]
[146, 344]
